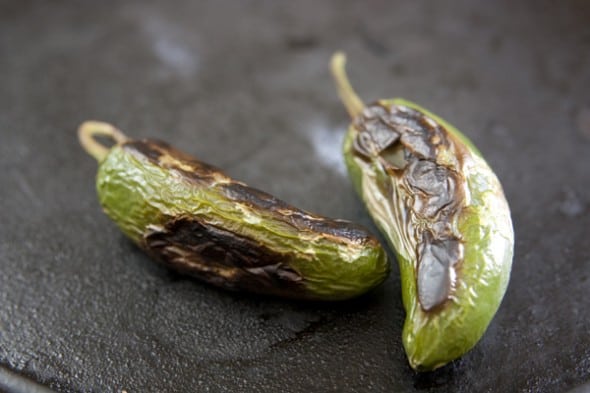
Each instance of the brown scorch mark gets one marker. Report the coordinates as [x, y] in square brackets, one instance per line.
[163, 155]
[406, 143]
[222, 258]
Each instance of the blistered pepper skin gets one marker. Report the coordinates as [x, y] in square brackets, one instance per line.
[197, 220]
[463, 244]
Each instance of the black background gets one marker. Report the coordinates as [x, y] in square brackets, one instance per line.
[245, 86]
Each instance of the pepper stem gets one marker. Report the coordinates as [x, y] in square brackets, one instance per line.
[90, 129]
[349, 98]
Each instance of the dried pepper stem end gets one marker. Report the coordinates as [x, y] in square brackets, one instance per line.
[90, 129]
[349, 98]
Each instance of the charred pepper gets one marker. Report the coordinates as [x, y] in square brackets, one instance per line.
[197, 220]
[442, 209]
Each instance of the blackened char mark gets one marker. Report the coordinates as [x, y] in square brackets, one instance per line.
[408, 143]
[298, 218]
[152, 150]
[162, 154]
[223, 258]
[256, 198]
[379, 127]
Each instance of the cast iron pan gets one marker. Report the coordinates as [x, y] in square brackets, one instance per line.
[245, 86]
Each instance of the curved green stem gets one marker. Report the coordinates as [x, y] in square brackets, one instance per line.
[87, 132]
[349, 98]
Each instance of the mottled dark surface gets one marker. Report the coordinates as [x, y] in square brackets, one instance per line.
[245, 86]
[162, 154]
[223, 258]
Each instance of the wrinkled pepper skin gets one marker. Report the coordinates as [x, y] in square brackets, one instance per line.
[197, 220]
[443, 211]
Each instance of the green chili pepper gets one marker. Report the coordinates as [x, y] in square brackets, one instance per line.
[197, 220]
[442, 209]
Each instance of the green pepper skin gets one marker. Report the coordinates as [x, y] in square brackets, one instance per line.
[434, 337]
[197, 220]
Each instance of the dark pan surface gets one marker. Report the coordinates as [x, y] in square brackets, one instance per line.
[245, 86]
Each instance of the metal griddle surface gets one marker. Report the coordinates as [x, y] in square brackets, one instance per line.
[245, 86]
